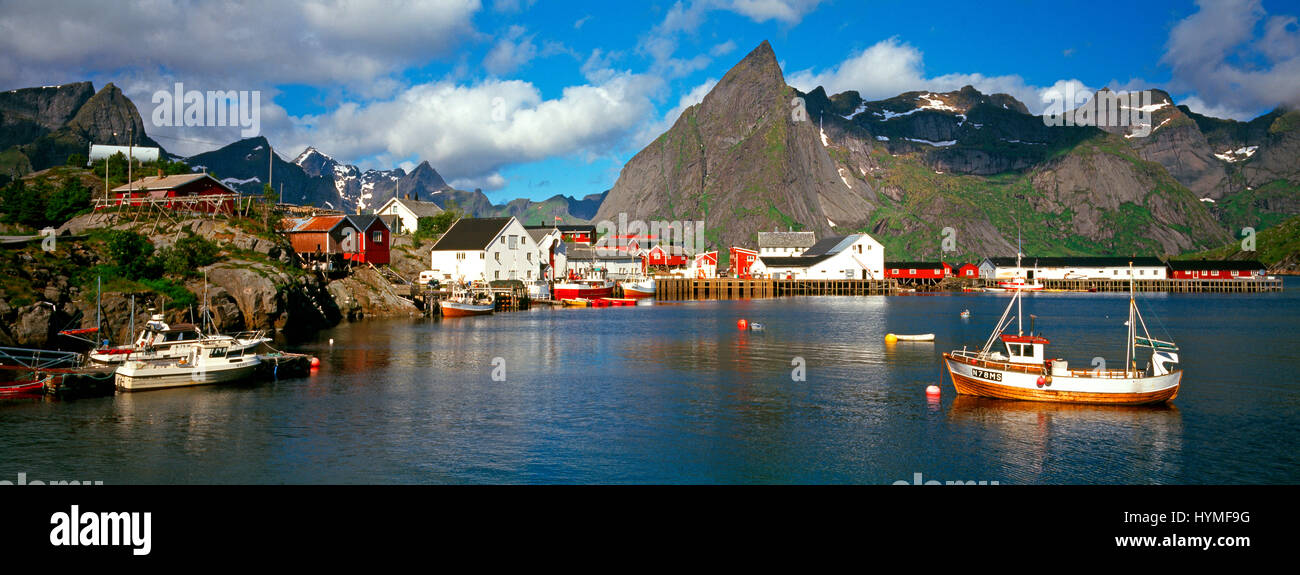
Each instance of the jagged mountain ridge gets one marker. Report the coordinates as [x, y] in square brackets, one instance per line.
[745, 158]
[922, 162]
[41, 127]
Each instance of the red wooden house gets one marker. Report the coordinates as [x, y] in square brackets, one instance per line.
[362, 239]
[968, 271]
[372, 239]
[659, 256]
[1214, 269]
[162, 187]
[741, 260]
[916, 270]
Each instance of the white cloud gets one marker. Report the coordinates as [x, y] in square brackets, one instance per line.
[511, 52]
[1216, 55]
[891, 67]
[722, 49]
[470, 132]
[317, 42]
[787, 11]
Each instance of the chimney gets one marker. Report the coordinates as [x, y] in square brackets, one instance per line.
[417, 195]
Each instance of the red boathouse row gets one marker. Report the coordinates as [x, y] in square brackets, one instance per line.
[1214, 270]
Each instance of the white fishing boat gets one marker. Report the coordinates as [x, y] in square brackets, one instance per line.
[468, 303]
[1024, 372]
[204, 363]
[639, 289]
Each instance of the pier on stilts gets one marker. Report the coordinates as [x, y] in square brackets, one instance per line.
[668, 289]
[1249, 285]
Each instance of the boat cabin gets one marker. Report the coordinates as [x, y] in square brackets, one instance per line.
[1024, 348]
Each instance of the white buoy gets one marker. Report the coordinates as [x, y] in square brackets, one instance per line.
[331, 341]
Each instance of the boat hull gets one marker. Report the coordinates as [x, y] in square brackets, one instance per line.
[570, 291]
[1021, 383]
[637, 293]
[129, 377]
[454, 309]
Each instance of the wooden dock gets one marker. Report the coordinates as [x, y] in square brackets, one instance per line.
[669, 289]
[672, 289]
[1164, 285]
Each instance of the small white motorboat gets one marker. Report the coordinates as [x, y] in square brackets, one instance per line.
[892, 337]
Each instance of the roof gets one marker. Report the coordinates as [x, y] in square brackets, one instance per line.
[786, 239]
[538, 233]
[792, 261]
[565, 227]
[315, 224]
[1078, 262]
[471, 234]
[1216, 265]
[164, 183]
[915, 265]
[578, 254]
[363, 222]
[830, 246]
[421, 209]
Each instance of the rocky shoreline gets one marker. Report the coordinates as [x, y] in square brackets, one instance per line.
[256, 284]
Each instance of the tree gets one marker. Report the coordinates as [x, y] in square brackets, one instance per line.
[433, 226]
[132, 255]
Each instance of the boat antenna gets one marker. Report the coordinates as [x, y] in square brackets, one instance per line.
[131, 329]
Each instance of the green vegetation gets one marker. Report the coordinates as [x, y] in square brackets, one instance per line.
[44, 203]
[428, 228]
[1276, 245]
[1285, 123]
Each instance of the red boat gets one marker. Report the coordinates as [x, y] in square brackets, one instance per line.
[584, 289]
[23, 389]
[620, 301]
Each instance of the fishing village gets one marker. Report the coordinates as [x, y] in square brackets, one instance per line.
[482, 266]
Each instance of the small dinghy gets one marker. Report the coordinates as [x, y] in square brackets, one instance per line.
[905, 337]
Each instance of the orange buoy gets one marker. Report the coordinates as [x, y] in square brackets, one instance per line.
[742, 324]
[315, 361]
[932, 391]
[890, 338]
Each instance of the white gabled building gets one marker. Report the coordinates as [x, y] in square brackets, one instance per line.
[858, 256]
[1071, 268]
[551, 251]
[406, 213]
[486, 249]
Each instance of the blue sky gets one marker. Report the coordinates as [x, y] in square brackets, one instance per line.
[533, 98]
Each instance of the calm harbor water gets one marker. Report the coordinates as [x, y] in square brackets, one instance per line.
[675, 393]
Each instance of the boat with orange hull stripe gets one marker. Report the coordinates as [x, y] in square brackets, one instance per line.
[1024, 373]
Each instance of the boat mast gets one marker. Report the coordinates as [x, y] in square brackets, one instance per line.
[1129, 351]
[1020, 312]
[99, 321]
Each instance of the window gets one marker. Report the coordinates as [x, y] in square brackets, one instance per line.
[912, 271]
[529, 256]
[482, 255]
[377, 237]
[1215, 273]
[514, 242]
[496, 275]
[893, 271]
[497, 255]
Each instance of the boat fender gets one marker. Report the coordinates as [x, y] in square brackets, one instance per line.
[1048, 382]
[1041, 381]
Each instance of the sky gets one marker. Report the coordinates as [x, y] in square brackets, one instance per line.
[530, 98]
